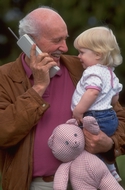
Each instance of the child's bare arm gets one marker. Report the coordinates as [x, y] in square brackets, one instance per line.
[85, 102]
[115, 99]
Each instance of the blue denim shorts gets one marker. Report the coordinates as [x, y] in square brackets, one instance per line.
[106, 119]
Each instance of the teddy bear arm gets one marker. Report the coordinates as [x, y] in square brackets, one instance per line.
[62, 176]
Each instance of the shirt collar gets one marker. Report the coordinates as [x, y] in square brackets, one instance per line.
[26, 67]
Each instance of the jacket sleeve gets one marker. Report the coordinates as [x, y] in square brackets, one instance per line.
[18, 117]
[119, 136]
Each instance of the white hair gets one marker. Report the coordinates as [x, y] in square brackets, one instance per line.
[29, 24]
[101, 40]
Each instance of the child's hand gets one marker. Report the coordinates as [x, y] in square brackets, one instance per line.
[78, 116]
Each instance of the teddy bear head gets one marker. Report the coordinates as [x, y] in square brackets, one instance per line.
[67, 141]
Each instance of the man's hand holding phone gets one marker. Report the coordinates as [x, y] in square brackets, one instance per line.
[25, 43]
[40, 66]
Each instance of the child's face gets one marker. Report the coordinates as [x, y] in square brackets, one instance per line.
[88, 57]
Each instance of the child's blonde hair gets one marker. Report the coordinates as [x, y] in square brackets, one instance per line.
[101, 40]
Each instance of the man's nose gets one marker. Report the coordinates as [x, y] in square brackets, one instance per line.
[63, 46]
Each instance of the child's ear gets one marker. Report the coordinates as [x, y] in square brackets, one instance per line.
[98, 56]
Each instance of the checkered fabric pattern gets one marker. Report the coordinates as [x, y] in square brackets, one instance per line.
[91, 124]
[84, 170]
[67, 142]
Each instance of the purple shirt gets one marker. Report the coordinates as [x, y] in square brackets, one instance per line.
[58, 95]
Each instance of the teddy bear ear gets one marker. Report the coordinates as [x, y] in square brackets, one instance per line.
[72, 121]
[50, 141]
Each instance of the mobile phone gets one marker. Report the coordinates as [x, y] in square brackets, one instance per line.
[25, 43]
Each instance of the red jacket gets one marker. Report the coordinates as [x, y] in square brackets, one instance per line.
[20, 110]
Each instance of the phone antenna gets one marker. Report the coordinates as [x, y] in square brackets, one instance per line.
[13, 33]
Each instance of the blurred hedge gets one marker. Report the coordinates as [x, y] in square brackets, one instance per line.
[78, 14]
[120, 163]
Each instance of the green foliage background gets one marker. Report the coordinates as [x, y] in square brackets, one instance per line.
[79, 15]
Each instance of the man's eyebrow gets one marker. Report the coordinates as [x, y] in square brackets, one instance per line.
[60, 38]
[67, 36]
[64, 37]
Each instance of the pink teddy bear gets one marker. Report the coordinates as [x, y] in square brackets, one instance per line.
[84, 170]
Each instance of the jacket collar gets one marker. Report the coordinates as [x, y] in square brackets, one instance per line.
[17, 72]
[72, 63]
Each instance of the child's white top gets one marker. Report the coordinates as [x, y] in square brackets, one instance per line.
[98, 77]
